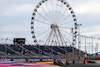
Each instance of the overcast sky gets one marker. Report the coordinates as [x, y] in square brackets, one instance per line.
[15, 18]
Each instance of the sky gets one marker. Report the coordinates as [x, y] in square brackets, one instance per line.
[15, 18]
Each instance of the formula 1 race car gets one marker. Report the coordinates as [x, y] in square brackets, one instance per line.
[60, 63]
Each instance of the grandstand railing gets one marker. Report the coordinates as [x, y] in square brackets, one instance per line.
[3, 53]
[29, 51]
[57, 52]
[14, 50]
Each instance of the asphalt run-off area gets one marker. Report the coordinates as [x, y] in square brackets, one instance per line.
[82, 65]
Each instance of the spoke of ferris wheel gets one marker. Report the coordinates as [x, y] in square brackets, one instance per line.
[64, 18]
[50, 6]
[47, 6]
[49, 10]
[48, 41]
[46, 13]
[45, 37]
[64, 41]
[66, 37]
[41, 27]
[67, 22]
[48, 38]
[51, 15]
[53, 4]
[53, 9]
[41, 22]
[63, 13]
[66, 27]
[56, 42]
[52, 40]
[60, 9]
[57, 39]
[43, 17]
[66, 32]
[43, 33]
[56, 9]
[56, 16]
[56, 5]
[62, 38]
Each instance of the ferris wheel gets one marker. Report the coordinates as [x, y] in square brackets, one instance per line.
[54, 23]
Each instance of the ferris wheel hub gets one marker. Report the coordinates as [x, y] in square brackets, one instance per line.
[54, 26]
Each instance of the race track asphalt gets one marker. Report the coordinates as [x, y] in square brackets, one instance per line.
[82, 65]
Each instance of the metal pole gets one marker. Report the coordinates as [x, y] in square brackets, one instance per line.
[92, 48]
[85, 45]
[78, 43]
[79, 40]
[73, 47]
[89, 51]
[85, 48]
[92, 45]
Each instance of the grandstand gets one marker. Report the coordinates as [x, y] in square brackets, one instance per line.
[33, 51]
